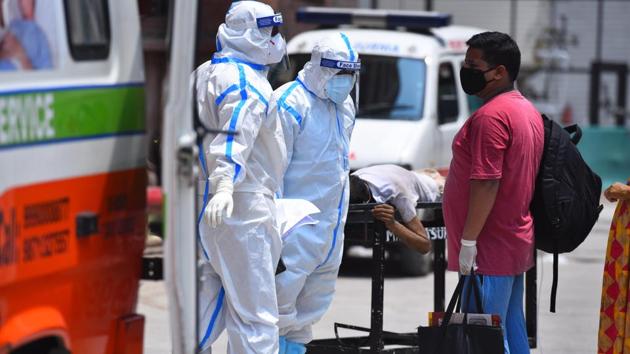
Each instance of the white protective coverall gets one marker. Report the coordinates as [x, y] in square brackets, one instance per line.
[317, 134]
[240, 255]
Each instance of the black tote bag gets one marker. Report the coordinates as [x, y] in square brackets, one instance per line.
[461, 338]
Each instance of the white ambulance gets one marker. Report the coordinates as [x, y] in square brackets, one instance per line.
[411, 103]
[72, 177]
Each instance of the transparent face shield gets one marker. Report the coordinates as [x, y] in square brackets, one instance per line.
[352, 68]
[277, 38]
[355, 91]
[285, 64]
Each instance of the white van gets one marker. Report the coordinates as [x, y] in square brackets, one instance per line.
[73, 177]
[411, 103]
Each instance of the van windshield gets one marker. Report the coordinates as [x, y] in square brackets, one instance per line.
[390, 87]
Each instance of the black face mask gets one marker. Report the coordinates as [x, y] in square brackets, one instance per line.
[473, 80]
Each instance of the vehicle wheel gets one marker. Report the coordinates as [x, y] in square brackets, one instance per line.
[48, 345]
[413, 263]
[59, 351]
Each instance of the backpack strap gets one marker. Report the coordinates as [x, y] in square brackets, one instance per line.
[551, 164]
[551, 211]
[554, 283]
[575, 132]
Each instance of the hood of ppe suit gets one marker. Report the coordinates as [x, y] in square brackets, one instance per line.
[315, 76]
[239, 37]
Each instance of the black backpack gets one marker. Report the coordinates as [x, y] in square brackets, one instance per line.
[565, 205]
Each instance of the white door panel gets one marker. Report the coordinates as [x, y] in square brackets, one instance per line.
[178, 156]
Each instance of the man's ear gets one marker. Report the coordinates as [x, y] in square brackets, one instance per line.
[501, 72]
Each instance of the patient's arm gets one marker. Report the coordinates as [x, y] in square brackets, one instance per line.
[412, 233]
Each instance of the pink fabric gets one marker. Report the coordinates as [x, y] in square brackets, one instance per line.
[502, 140]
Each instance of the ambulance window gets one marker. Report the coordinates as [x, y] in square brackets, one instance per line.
[391, 88]
[88, 29]
[448, 109]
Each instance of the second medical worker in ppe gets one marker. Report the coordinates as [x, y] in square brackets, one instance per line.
[317, 116]
[240, 243]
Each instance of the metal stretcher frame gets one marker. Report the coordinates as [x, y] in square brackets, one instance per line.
[374, 233]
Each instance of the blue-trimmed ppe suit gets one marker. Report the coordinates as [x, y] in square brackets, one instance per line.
[317, 135]
[240, 255]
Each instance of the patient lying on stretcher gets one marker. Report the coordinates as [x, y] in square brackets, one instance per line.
[398, 189]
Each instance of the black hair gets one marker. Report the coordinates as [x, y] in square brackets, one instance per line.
[498, 49]
[359, 190]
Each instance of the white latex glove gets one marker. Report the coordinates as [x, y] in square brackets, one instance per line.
[221, 202]
[467, 255]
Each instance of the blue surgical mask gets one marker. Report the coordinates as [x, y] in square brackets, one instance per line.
[338, 88]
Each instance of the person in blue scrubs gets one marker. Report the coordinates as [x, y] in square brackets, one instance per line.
[23, 44]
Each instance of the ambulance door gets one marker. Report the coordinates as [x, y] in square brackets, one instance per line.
[179, 154]
[448, 110]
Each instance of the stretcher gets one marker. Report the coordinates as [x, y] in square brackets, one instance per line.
[361, 227]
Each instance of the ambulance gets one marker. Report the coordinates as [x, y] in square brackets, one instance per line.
[72, 177]
[411, 103]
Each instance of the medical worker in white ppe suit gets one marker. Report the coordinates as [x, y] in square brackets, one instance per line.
[317, 115]
[240, 242]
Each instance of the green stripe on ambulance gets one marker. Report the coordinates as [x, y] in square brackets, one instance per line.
[52, 115]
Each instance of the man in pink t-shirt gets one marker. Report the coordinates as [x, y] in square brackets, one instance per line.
[490, 184]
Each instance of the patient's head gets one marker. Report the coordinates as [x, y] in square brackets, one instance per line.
[359, 190]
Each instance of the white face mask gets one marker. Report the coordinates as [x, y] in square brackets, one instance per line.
[338, 88]
[277, 49]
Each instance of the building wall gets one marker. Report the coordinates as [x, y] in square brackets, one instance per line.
[531, 16]
[529, 22]
[582, 24]
[616, 30]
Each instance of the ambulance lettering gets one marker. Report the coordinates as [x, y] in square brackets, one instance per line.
[9, 231]
[26, 118]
